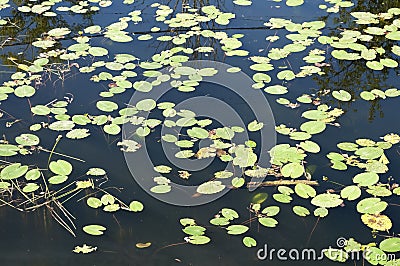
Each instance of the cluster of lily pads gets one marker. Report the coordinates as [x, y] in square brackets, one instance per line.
[27, 187]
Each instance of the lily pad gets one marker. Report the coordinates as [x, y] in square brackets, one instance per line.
[94, 229]
[327, 200]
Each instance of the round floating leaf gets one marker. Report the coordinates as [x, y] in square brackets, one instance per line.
[229, 213]
[238, 182]
[327, 200]
[136, 206]
[32, 174]
[194, 230]
[293, 170]
[342, 95]
[184, 154]
[197, 132]
[366, 179]
[210, 187]
[94, 202]
[62, 125]
[96, 172]
[58, 32]
[40, 110]
[388, 62]
[8, 150]
[249, 242]
[305, 191]
[169, 138]
[378, 222]
[106, 106]
[390, 245]
[369, 153]
[146, 105]
[78, 133]
[350, 192]
[271, 210]
[321, 212]
[347, 146]
[98, 51]
[282, 198]
[24, 91]
[286, 75]
[27, 140]
[107, 199]
[294, 2]
[310, 146]
[237, 229]
[142, 86]
[60, 167]
[368, 96]
[375, 65]
[276, 89]
[315, 114]
[160, 189]
[30, 187]
[219, 221]
[313, 127]
[164, 169]
[112, 129]
[111, 207]
[268, 221]
[394, 35]
[371, 206]
[255, 126]
[57, 179]
[94, 229]
[187, 221]
[301, 211]
[13, 171]
[199, 240]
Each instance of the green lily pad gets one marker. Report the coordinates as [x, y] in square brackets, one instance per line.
[94, 202]
[237, 229]
[391, 244]
[301, 211]
[106, 106]
[58, 179]
[268, 221]
[94, 229]
[276, 89]
[327, 200]
[342, 95]
[30, 187]
[199, 240]
[294, 2]
[371, 205]
[305, 191]
[210, 187]
[32, 174]
[350, 192]
[27, 140]
[24, 91]
[249, 241]
[313, 127]
[13, 171]
[60, 167]
[136, 206]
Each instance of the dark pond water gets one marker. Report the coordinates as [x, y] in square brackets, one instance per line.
[35, 238]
